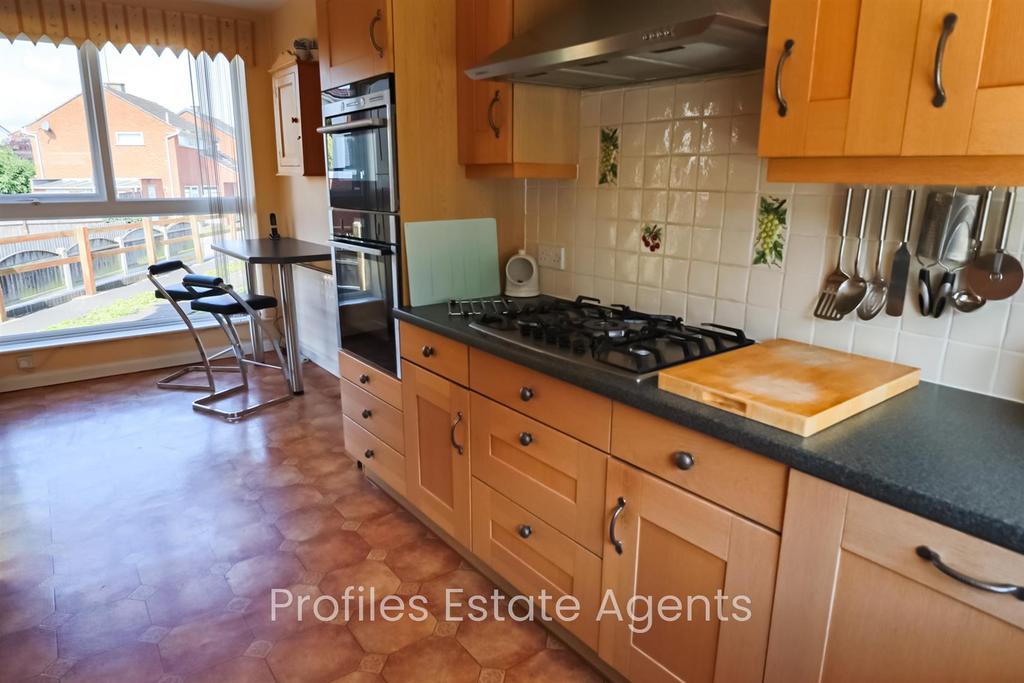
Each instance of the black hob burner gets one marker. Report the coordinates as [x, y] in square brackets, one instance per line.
[610, 337]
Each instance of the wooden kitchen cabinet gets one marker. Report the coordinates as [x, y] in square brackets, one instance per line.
[676, 544]
[855, 600]
[296, 87]
[862, 102]
[355, 39]
[437, 445]
[509, 130]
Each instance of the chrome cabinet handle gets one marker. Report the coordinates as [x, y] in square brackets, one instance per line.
[948, 24]
[367, 413]
[368, 453]
[619, 507]
[427, 351]
[455, 444]
[787, 52]
[683, 460]
[525, 394]
[926, 553]
[525, 530]
[373, 37]
[490, 113]
[364, 379]
[525, 438]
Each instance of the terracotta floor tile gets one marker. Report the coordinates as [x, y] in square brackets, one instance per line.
[287, 498]
[274, 477]
[25, 609]
[26, 653]
[368, 574]
[346, 479]
[304, 524]
[553, 665]
[76, 592]
[237, 670]
[267, 624]
[206, 642]
[392, 530]
[173, 605]
[24, 572]
[360, 677]
[240, 543]
[423, 560]
[382, 636]
[432, 659]
[322, 653]
[332, 550]
[102, 628]
[463, 584]
[501, 644]
[365, 503]
[264, 572]
[159, 568]
[138, 663]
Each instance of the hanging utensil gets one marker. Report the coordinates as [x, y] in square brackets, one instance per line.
[963, 299]
[852, 292]
[956, 248]
[900, 265]
[998, 275]
[874, 299]
[825, 308]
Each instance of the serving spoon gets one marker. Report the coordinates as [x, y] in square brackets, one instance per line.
[874, 299]
[965, 300]
[852, 292]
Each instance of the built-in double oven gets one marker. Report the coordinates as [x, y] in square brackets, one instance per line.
[362, 180]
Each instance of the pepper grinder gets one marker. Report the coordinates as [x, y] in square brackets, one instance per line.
[274, 234]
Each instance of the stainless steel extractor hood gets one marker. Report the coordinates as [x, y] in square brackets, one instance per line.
[596, 43]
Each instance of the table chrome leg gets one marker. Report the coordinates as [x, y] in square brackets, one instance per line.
[291, 335]
[255, 333]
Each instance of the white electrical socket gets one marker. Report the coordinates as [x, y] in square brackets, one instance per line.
[550, 256]
[26, 362]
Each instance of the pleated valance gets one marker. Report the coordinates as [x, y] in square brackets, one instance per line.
[102, 22]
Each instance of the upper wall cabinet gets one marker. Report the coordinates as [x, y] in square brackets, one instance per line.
[510, 130]
[355, 38]
[296, 115]
[915, 91]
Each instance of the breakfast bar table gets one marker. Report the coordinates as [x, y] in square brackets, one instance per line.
[283, 253]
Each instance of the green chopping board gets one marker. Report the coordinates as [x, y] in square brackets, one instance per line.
[452, 260]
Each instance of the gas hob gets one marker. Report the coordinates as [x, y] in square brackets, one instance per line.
[612, 338]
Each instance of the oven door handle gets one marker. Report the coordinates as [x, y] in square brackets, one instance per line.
[362, 249]
[360, 124]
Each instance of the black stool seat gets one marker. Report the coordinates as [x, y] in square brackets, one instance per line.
[225, 304]
[182, 293]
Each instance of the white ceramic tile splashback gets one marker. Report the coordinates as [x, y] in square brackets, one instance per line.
[687, 162]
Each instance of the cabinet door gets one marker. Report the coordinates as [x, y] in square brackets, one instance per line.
[437, 449]
[355, 40]
[944, 129]
[999, 102]
[485, 107]
[287, 126]
[676, 546]
[856, 602]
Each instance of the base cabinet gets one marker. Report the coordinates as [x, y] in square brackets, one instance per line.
[681, 551]
[856, 601]
[437, 450]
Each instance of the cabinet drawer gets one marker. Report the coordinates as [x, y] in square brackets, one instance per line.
[436, 353]
[744, 482]
[575, 411]
[372, 414]
[534, 556]
[377, 457]
[371, 379]
[553, 475]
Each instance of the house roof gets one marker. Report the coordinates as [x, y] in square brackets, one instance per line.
[219, 124]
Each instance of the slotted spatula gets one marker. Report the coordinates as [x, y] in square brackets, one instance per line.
[826, 306]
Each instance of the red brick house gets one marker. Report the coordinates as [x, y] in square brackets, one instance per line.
[156, 152]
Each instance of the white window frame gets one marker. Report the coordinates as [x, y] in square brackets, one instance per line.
[136, 135]
[104, 202]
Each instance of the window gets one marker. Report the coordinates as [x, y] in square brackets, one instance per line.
[132, 139]
[110, 160]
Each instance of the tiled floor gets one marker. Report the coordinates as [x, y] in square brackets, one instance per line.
[139, 541]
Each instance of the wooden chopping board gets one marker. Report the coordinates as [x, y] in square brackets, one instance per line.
[786, 384]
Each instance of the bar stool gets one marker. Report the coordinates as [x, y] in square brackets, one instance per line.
[223, 303]
[174, 294]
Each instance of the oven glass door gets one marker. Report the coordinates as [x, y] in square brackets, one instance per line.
[367, 285]
[360, 162]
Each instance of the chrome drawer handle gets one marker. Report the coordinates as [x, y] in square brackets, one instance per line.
[620, 506]
[368, 453]
[525, 530]
[787, 51]
[525, 438]
[926, 553]
[455, 444]
[367, 413]
[948, 24]
[683, 460]
[427, 351]
[526, 393]
[364, 379]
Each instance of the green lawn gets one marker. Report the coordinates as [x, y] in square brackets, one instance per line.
[118, 310]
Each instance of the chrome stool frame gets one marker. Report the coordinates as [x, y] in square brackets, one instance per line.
[207, 367]
[206, 403]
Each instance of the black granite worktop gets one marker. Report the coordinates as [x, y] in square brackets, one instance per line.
[952, 456]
